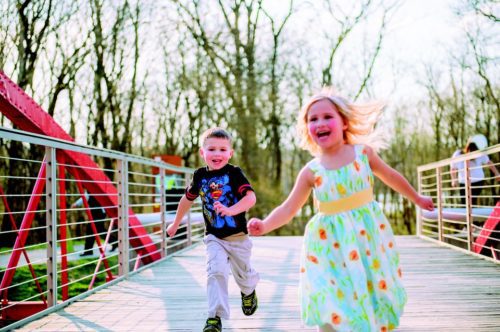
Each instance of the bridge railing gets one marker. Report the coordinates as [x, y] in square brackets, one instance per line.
[58, 195]
[467, 214]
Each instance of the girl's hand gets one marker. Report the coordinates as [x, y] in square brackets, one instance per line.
[255, 227]
[222, 210]
[425, 203]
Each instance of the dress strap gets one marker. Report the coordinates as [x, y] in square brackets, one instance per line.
[314, 165]
[358, 149]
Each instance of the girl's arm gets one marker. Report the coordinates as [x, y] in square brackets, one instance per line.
[242, 206]
[494, 170]
[396, 181]
[289, 208]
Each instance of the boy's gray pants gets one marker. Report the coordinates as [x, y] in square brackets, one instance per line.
[222, 255]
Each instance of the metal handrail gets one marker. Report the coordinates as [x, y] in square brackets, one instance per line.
[467, 221]
[133, 185]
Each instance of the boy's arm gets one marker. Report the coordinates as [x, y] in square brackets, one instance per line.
[396, 181]
[182, 209]
[242, 206]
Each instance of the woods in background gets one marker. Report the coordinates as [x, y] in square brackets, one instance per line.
[149, 77]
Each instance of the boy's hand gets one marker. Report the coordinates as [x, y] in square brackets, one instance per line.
[222, 210]
[425, 203]
[172, 229]
[255, 227]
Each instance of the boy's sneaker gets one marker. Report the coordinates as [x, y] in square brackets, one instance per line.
[249, 303]
[213, 325]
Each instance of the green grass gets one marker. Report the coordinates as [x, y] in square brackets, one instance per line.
[29, 289]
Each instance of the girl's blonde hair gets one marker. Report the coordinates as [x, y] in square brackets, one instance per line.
[360, 120]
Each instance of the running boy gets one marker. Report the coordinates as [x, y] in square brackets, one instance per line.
[226, 195]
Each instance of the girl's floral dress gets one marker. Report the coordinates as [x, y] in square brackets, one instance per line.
[350, 276]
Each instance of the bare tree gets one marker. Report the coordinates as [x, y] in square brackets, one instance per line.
[115, 91]
[274, 121]
[232, 53]
[485, 8]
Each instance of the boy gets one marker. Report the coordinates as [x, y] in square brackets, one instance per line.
[226, 195]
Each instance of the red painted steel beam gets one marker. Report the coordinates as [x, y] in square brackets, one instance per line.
[27, 115]
[3, 293]
[22, 234]
[490, 225]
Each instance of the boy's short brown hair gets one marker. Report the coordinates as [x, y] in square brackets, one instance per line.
[216, 132]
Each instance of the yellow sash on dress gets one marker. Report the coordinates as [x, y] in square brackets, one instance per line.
[345, 204]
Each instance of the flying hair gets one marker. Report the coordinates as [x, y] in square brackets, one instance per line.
[360, 120]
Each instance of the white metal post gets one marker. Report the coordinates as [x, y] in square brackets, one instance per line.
[188, 221]
[468, 206]
[439, 202]
[163, 210]
[123, 225]
[419, 214]
[51, 222]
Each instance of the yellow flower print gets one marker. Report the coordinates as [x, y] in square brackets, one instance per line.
[341, 189]
[340, 294]
[369, 285]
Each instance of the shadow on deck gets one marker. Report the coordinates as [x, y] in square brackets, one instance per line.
[447, 289]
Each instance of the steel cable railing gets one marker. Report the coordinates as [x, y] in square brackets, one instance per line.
[467, 214]
[45, 261]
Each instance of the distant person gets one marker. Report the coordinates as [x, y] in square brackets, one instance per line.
[99, 216]
[350, 276]
[226, 195]
[477, 177]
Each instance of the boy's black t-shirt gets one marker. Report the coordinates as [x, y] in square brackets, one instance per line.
[226, 185]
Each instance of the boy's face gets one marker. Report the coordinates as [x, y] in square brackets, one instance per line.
[216, 152]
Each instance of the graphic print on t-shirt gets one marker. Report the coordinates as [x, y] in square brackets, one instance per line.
[217, 189]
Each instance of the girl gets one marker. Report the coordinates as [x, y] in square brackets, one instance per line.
[350, 279]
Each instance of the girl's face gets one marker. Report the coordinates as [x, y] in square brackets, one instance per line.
[216, 152]
[325, 124]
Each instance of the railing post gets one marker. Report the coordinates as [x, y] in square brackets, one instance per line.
[163, 201]
[51, 222]
[468, 205]
[188, 221]
[439, 203]
[419, 214]
[123, 225]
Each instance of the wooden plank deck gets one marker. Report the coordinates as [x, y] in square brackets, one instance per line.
[448, 291]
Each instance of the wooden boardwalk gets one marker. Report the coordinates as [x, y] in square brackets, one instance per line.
[448, 291]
